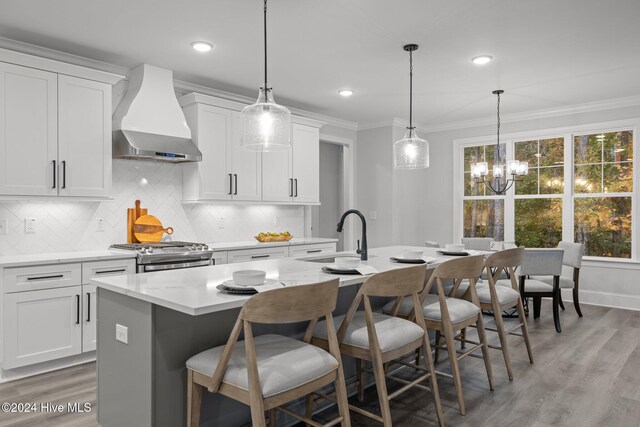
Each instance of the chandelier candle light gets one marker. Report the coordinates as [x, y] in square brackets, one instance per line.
[266, 126]
[515, 168]
[411, 152]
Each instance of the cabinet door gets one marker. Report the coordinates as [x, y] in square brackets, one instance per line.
[306, 163]
[89, 318]
[277, 182]
[245, 165]
[41, 326]
[212, 133]
[84, 137]
[28, 131]
[262, 254]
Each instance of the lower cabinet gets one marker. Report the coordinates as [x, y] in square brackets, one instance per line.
[89, 336]
[42, 325]
[247, 255]
[310, 250]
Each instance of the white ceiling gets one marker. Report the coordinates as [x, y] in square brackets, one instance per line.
[549, 53]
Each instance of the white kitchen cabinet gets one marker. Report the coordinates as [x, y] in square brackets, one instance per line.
[28, 131]
[260, 254]
[84, 137]
[226, 172]
[107, 268]
[220, 258]
[55, 134]
[89, 318]
[298, 251]
[294, 175]
[32, 278]
[42, 325]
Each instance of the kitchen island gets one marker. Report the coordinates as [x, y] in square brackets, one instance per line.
[170, 316]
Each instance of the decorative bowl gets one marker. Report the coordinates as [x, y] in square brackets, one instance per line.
[249, 277]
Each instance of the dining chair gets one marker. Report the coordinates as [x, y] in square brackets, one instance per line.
[536, 263]
[572, 259]
[477, 243]
[267, 371]
[501, 298]
[446, 313]
[382, 339]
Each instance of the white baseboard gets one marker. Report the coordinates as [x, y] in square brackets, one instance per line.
[7, 375]
[605, 299]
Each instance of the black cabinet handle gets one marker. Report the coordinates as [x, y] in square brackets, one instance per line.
[54, 173]
[121, 270]
[57, 276]
[88, 306]
[77, 309]
[314, 251]
[235, 177]
[290, 187]
[64, 174]
[296, 181]
[230, 185]
[259, 256]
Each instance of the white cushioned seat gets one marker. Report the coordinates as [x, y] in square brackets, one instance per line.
[565, 282]
[504, 282]
[505, 294]
[406, 305]
[283, 363]
[393, 332]
[459, 310]
[532, 285]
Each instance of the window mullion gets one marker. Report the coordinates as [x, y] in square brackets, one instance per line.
[567, 199]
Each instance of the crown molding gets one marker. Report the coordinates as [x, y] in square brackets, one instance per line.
[395, 122]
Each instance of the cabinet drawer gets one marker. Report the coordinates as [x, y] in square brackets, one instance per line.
[309, 250]
[21, 279]
[107, 268]
[247, 255]
[220, 258]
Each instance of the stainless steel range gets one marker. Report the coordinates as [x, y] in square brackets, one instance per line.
[168, 255]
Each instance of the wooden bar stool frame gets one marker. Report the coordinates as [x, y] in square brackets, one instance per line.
[400, 283]
[459, 269]
[495, 264]
[288, 305]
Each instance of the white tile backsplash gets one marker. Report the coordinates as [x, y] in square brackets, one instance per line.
[64, 225]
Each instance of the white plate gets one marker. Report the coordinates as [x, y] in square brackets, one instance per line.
[409, 259]
[335, 267]
[232, 285]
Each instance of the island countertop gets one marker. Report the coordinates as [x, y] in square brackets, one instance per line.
[194, 291]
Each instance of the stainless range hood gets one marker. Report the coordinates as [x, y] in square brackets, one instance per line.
[149, 123]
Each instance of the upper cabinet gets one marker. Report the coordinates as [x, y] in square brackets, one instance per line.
[55, 129]
[227, 172]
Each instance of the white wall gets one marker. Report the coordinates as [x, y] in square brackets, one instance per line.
[67, 225]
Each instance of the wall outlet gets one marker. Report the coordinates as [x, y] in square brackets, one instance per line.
[276, 220]
[29, 225]
[122, 334]
[4, 226]
[100, 224]
[373, 215]
[221, 222]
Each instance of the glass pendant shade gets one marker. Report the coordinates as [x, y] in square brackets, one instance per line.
[411, 152]
[266, 126]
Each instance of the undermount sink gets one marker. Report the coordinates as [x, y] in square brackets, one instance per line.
[329, 260]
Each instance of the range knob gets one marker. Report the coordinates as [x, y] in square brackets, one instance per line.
[205, 247]
[194, 247]
[143, 250]
[199, 247]
[149, 250]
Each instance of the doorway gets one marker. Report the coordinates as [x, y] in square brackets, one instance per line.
[326, 216]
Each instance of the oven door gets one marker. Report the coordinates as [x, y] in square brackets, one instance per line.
[147, 268]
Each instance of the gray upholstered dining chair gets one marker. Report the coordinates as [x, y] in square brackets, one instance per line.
[536, 263]
[477, 243]
[570, 277]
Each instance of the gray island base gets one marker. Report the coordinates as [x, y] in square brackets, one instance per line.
[170, 316]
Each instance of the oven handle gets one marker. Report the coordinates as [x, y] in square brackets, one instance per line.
[160, 267]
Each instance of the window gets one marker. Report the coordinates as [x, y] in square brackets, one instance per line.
[603, 186]
[538, 197]
[483, 210]
[580, 187]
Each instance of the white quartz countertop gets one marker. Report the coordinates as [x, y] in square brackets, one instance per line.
[194, 291]
[62, 257]
[254, 244]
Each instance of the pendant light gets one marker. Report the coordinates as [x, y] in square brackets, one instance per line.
[266, 126]
[411, 152]
[515, 168]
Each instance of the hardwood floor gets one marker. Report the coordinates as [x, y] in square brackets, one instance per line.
[589, 375]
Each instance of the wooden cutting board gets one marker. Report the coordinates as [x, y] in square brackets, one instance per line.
[132, 215]
[149, 229]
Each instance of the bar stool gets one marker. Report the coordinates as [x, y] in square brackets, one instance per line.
[381, 339]
[268, 371]
[500, 298]
[446, 314]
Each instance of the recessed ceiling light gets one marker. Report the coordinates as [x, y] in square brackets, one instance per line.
[202, 46]
[345, 92]
[482, 59]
